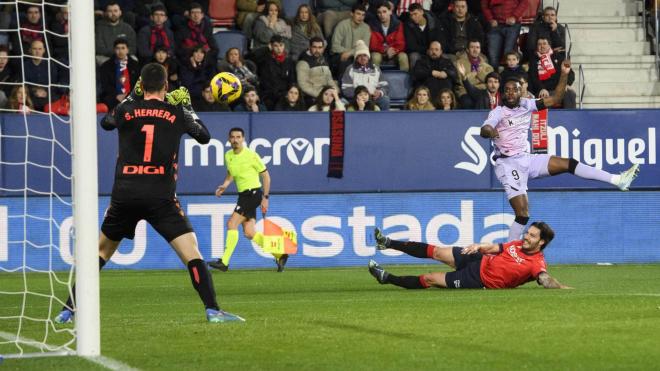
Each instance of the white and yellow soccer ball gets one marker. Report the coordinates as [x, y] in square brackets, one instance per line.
[226, 87]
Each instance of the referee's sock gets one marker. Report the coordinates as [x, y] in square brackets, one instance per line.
[407, 282]
[230, 244]
[203, 283]
[69, 300]
[416, 249]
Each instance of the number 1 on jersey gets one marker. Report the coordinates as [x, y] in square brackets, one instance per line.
[148, 142]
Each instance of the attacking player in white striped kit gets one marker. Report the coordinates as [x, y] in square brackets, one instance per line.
[508, 126]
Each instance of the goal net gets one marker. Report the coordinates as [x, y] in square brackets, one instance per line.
[40, 194]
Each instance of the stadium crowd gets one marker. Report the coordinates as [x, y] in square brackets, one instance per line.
[329, 55]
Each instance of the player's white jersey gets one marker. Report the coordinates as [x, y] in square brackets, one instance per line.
[512, 124]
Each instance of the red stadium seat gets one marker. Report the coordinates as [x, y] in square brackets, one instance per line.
[222, 13]
[532, 12]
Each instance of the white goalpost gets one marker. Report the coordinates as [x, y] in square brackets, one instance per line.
[46, 237]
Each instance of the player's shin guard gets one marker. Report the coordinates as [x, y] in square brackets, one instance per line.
[203, 283]
[69, 300]
[517, 227]
[407, 282]
[416, 249]
[230, 245]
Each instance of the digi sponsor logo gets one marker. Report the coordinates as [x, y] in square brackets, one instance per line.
[283, 151]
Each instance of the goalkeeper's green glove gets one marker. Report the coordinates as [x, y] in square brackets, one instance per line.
[137, 89]
[179, 96]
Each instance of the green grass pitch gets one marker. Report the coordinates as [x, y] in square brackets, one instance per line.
[341, 319]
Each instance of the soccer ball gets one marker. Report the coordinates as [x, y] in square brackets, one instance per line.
[226, 87]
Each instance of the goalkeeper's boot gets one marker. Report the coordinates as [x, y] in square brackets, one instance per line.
[179, 96]
[281, 262]
[220, 316]
[218, 264]
[627, 177]
[378, 272]
[65, 316]
[382, 242]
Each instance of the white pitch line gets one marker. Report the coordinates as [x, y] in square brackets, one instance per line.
[109, 363]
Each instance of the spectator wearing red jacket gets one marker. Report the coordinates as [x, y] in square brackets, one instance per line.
[503, 17]
[387, 39]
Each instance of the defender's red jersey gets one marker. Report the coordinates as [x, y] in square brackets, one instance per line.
[512, 267]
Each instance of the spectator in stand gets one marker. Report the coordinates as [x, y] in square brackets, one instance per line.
[362, 101]
[447, 100]
[313, 72]
[488, 98]
[7, 11]
[477, 68]
[179, 11]
[387, 40]
[269, 24]
[250, 101]
[208, 103]
[327, 100]
[346, 34]
[544, 71]
[442, 8]
[276, 70]
[549, 28]
[512, 69]
[144, 10]
[402, 7]
[331, 12]
[419, 31]
[155, 35]
[40, 74]
[126, 6]
[244, 70]
[504, 17]
[31, 29]
[524, 86]
[118, 75]
[58, 40]
[461, 27]
[162, 57]
[363, 72]
[8, 75]
[20, 101]
[109, 29]
[292, 101]
[421, 100]
[304, 29]
[434, 70]
[196, 31]
[248, 12]
[196, 72]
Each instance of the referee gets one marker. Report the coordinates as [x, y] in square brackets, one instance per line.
[244, 166]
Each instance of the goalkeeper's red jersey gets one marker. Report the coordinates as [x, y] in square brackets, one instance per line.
[512, 267]
[149, 136]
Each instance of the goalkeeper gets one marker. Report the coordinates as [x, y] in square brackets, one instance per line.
[149, 130]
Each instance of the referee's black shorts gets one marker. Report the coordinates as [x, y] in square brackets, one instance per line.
[248, 202]
[165, 216]
[467, 274]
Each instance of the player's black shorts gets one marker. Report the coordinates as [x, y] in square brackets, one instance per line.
[165, 216]
[248, 201]
[466, 275]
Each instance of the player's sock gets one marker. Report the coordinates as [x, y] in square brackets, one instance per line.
[69, 300]
[203, 283]
[230, 245]
[416, 249]
[517, 227]
[588, 172]
[407, 282]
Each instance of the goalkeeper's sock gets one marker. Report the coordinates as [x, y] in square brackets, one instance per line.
[407, 282]
[230, 245]
[69, 300]
[203, 283]
[416, 249]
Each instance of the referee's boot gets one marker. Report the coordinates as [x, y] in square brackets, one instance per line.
[382, 242]
[627, 177]
[281, 262]
[218, 264]
[378, 272]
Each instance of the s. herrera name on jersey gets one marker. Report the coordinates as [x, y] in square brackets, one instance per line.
[281, 151]
[585, 147]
